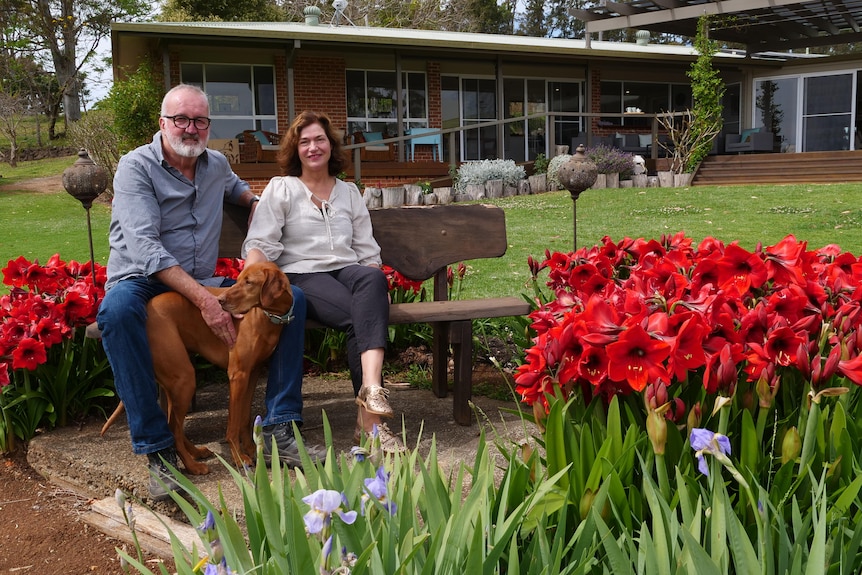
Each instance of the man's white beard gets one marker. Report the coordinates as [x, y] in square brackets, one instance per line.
[187, 148]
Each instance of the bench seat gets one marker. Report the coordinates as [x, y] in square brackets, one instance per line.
[421, 242]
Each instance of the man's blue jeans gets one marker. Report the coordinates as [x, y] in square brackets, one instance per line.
[122, 319]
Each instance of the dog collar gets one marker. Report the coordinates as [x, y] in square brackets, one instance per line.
[281, 319]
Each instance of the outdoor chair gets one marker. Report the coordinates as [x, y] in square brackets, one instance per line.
[749, 141]
[435, 140]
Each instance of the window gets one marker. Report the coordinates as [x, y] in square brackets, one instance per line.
[633, 98]
[241, 97]
[372, 101]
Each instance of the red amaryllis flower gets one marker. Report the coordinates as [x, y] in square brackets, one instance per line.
[782, 261]
[29, 354]
[593, 365]
[78, 308]
[229, 267]
[637, 358]
[686, 350]
[48, 332]
[740, 270]
[782, 344]
[15, 272]
[397, 280]
[4, 375]
[852, 369]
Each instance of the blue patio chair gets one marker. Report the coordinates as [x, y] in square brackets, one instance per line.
[435, 140]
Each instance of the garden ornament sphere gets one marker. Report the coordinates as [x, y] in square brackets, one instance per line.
[578, 174]
[84, 180]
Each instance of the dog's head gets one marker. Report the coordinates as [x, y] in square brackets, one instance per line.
[258, 285]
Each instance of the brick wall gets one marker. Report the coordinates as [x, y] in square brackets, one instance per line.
[320, 85]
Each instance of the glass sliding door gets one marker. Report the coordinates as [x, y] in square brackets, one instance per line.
[450, 108]
[537, 141]
[777, 110]
[827, 114]
[566, 97]
[515, 141]
[479, 104]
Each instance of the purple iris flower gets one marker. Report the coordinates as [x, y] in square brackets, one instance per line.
[377, 487]
[705, 441]
[325, 502]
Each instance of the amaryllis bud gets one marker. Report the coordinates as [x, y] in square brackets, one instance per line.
[694, 417]
[766, 388]
[534, 267]
[657, 431]
[676, 410]
[791, 445]
[462, 270]
[831, 363]
[803, 362]
[586, 503]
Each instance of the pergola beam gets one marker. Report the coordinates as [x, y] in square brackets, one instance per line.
[651, 18]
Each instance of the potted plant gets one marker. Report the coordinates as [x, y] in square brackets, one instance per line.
[539, 179]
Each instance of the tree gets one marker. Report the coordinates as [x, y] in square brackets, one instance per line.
[61, 29]
[228, 11]
[12, 108]
[483, 16]
[532, 22]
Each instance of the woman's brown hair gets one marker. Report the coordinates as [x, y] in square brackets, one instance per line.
[288, 154]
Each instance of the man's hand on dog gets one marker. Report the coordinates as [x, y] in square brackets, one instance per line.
[219, 321]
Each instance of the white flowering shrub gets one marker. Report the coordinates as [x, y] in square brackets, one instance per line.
[481, 171]
[554, 171]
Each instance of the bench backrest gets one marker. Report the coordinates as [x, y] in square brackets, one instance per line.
[418, 241]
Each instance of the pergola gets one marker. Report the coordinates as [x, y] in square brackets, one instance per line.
[759, 25]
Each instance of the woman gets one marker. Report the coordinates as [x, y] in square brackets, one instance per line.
[318, 230]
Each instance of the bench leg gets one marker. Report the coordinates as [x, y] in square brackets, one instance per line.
[462, 350]
[440, 351]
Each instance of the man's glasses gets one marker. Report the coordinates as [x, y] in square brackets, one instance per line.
[182, 122]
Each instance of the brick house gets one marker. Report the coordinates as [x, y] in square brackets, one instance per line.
[491, 96]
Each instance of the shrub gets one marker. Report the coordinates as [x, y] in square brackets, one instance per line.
[136, 102]
[540, 164]
[484, 170]
[611, 160]
[554, 170]
[95, 133]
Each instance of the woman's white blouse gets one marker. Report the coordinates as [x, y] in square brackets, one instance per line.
[299, 237]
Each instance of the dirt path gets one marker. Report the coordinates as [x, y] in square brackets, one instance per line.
[41, 185]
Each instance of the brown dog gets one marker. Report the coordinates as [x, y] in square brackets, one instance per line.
[175, 327]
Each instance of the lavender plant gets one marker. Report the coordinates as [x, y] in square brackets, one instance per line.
[610, 160]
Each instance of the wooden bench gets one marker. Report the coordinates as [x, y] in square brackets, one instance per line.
[421, 242]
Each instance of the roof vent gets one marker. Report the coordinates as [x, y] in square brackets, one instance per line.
[312, 15]
[642, 37]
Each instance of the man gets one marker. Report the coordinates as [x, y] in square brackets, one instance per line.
[164, 235]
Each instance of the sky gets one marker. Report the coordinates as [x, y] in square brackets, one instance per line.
[99, 84]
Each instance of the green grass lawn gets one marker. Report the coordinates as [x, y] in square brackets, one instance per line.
[40, 225]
